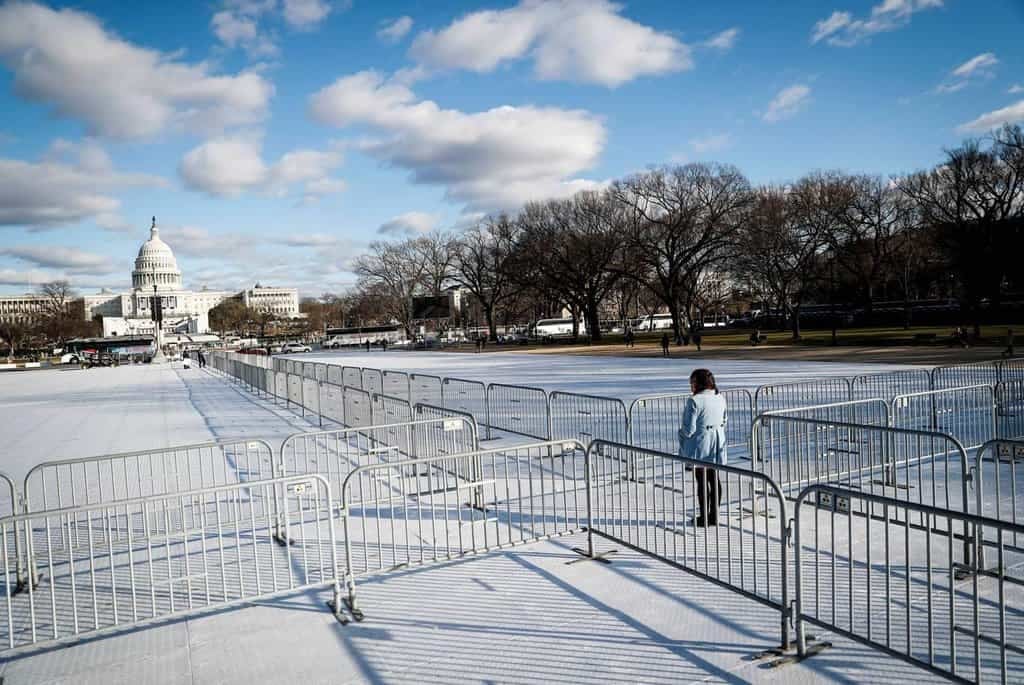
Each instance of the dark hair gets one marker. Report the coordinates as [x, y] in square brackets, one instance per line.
[704, 380]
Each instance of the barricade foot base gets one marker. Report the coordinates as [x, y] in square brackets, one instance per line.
[356, 612]
[283, 541]
[22, 586]
[784, 657]
[586, 556]
[338, 616]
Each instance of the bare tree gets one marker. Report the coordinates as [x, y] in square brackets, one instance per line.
[483, 263]
[971, 202]
[437, 251]
[11, 334]
[397, 272]
[58, 319]
[682, 221]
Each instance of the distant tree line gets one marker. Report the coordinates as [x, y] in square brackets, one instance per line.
[59, 316]
[667, 238]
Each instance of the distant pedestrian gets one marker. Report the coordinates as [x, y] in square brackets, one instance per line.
[367, 344]
[384, 345]
[1008, 352]
[697, 339]
[629, 337]
[479, 345]
[186, 360]
[664, 344]
[201, 358]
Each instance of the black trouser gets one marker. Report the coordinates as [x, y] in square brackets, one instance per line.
[709, 492]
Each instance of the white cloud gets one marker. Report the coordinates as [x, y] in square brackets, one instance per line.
[497, 158]
[842, 30]
[236, 29]
[31, 280]
[978, 67]
[71, 183]
[305, 14]
[787, 103]
[67, 60]
[711, 143]
[395, 30]
[59, 257]
[309, 240]
[409, 224]
[986, 122]
[1015, 88]
[724, 40]
[575, 40]
[230, 166]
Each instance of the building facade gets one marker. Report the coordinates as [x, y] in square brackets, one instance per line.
[156, 274]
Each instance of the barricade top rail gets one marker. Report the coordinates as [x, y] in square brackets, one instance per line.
[830, 405]
[532, 388]
[927, 509]
[604, 398]
[361, 429]
[844, 424]
[805, 381]
[153, 452]
[249, 484]
[945, 391]
[687, 393]
[725, 468]
[451, 379]
[567, 445]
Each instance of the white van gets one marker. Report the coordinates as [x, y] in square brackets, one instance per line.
[556, 328]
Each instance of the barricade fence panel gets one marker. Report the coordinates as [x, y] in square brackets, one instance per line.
[126, 563]
[424, 389]
[999, 490]
[371, 380]
[963, 375]
[281, 385]
[423, 511]
[802, 394]
[910, 465]
[387, 411]
[9, 501]
[1011, 370]
[967, 413]
[352, 376]
[321, 372]
[295, 390]
[334, 454]
[726, 524]
[654, 422]
[311, 396]
[465, 396]
[110, 478]
[1010, 409]
[336, 376]
[887, 385]
[871, 412]
[396, 383]
[518, 409]
[865, 572]
[332, 403]
[358, 408]
[587, 417]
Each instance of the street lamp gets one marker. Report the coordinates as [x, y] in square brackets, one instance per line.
[157, 314]
[832, 291]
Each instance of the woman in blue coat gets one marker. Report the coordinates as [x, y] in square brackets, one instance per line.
[702, 437]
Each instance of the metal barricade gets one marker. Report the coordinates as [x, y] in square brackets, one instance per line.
[358, 408]
[422, 511]
[1011, 370]
[371, 380]
[891, 383]
[388, 410]
[912, 465]
[518, 409]
[465, 396]
[425, 389]
[332, 403]
[281, 385]
[395, 384]
[999, 489]
[10, 503]
[967, 413]
[105, 478]
[127, 563]
[352, 376]
[1010, 409]
[311, 398]
[295, 391]
[694, 518]
[335, 374]
[963, 375]
[871, 412]
[802, 394]
[654, 422]
[885, 572]
[334, 454]
[587, 417]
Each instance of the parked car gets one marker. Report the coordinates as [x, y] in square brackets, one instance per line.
[292, 348]
[70, 358]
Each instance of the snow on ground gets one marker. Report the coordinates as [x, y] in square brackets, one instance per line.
[517, 616]
[622, 377]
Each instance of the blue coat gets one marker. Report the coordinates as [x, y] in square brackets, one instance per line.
[703, 433]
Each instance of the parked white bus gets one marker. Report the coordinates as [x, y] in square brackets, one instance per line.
[555, 328]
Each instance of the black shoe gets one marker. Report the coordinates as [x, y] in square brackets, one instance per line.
[700, 522]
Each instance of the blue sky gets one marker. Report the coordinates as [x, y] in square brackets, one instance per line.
[274, 139]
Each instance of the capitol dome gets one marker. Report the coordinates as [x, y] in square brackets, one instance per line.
[156, 264]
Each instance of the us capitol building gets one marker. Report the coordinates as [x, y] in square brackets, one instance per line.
[185, 312]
